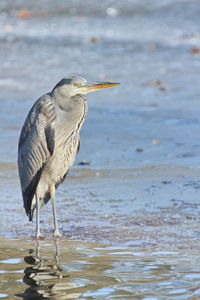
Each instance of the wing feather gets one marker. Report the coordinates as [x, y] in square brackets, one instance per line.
[36, 145]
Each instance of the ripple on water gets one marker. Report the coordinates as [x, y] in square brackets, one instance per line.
[10, 261]
[94, 271]
[192, 276]
[3, 295]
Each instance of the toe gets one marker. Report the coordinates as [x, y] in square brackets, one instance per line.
[57, 234]
[39, 238]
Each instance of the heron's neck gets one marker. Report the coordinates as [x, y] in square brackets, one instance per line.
[74, 105]
[60, 100]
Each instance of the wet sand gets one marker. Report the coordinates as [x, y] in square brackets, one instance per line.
[154, 214]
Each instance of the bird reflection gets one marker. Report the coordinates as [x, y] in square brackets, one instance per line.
[44, 277]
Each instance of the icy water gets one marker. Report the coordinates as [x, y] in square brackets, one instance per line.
[129, 209]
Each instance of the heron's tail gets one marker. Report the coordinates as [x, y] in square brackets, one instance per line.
[30, 216]
[30, 210]
[42, 201]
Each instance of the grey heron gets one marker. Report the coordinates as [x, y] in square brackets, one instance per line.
[49, 141]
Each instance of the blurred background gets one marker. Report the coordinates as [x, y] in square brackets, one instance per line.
[140, 145]
[129, 208]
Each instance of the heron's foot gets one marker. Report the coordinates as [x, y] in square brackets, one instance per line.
[39, 237]
[57, 234]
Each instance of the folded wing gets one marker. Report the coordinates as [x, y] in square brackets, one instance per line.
[36, 145]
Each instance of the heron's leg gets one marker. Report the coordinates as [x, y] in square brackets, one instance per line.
[37, 233]
[39, 261]
[56, 232]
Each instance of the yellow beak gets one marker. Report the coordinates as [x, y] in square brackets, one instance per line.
[101, 85]
[96, 86]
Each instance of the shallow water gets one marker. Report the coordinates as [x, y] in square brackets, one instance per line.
[86, 270]
[134, 206]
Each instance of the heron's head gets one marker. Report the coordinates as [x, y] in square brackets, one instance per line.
[74, 85]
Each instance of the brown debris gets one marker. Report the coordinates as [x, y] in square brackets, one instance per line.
[139, 150]
[155, 82]
[158, 83]
[194, 50]
[24, 14]
[94, 40]
[84, 163]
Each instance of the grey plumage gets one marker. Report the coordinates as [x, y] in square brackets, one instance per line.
[36, 145]
[49, 141]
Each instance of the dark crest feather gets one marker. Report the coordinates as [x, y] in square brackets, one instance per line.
[63, 82]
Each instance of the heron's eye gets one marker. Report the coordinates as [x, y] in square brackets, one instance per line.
[76, 84]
